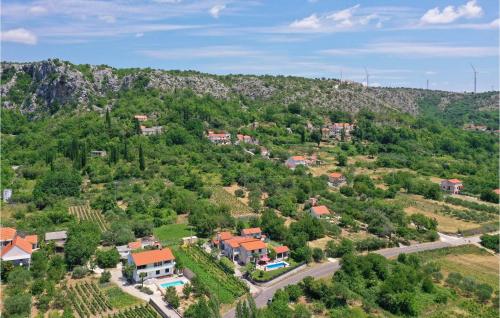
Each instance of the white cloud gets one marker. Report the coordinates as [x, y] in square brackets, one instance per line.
[311, 22]
[423, 50]
[107, 18]
[216, 10]
[223, 51]
[37, 10]
[20, 35]
[139, 35]
[450, 14]
[343, 15]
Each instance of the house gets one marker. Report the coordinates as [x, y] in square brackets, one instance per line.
[453, 186]
[16, 248]
[189, 240]
[98, 153]
[7, 195]
[220, 238]
[59, 238]
[154, 263]
[222, 138]
[232, 248]
[319, 212]
[295, 161]
[141, 117]
[281, 252]
[155, 130]
[253, 251]
[254, 232]
[336, 130]
[246, 139]
[264, 152]
[124, 250]
[336, 179]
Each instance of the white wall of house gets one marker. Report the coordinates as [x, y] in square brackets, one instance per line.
[17, 256]
[246, 256]
[160, 269]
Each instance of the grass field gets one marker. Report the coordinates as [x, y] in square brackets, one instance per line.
[172, 233]
[119, 299]
[237, 208]
[467, 260]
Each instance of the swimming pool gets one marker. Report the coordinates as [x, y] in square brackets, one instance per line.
[172, 284]
[276, 265]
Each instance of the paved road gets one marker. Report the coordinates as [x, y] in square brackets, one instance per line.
[328, 268]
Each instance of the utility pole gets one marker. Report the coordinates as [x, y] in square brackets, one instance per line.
[341, 76]
[475, 77]
[427, 85]
[367, 78]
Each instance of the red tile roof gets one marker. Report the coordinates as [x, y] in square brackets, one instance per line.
[298, 158]
[135, 245]
[33, 239]
[225, 236]
[254, 245]
[281, 249]
[454, 181]
[18, 242]
[320, 210]
[235, 242]
[7, 233]
[252, 230]
[336, 175]
[153, 256]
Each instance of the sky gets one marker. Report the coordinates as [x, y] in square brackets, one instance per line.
[399, 43]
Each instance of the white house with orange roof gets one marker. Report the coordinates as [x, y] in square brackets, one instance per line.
[320, 212]
[222, 138]
[253, 251]
[15, 248]
[141, 117]
[219, 239]
[154, 263]
[336, 179]
[295, 161]
[254, 232]
[453, 186]
[281, 252]
[246, 139]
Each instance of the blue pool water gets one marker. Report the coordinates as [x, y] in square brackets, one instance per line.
[276, 265]
[172, 284]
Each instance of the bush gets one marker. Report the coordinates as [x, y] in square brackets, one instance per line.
[171, 297]
[144, 289]
[318, 254]
[107, 259]
[239, 193]
[490, 241]
[105, 277]
[79, 272]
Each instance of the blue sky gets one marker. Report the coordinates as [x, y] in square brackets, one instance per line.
[401, 43]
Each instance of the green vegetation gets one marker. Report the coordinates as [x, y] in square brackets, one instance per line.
[119, 299]
[264, 276]
[491, 242]
[210, 274]
[171, 234]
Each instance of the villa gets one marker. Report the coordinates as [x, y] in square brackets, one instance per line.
[320, 212]
[281, 252]
[336, 179]
[155, 130]
[253, 251]
[241, 248]
[246, 139]
[16, 248]
[124, 250]
[295, 161]
[154, 263]
[222, 138]
[453, 186]
[254, 232]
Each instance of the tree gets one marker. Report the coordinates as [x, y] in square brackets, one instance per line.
[171, 297]
[137, 127]
[142, 164]
[108, 120]
[489, 196]
[107, 259]
[187, 289]
[317, 254]
[490, 241]
[56, 184]
[316, 136]
[83, 239]
[128, 272]
[142, 276]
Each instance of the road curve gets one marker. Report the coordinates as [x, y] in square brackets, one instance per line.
[328, 268]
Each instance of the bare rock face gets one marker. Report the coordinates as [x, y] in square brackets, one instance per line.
[45, 87]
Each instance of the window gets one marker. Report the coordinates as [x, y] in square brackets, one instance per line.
[157, 272]
[167, 270]
[158, 264]
[141, 267]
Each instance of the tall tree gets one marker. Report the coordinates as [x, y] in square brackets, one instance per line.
[142, 163]
[108, 119]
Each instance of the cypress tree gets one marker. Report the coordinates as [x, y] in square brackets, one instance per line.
[137, 127]
[108, 119]
[142, 164]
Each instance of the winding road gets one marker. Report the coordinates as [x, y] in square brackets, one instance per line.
[330, 267]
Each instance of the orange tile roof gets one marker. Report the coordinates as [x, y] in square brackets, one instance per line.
[18, 242]
[135, 245]
[298, 158]
[320, 210]
[252, 230]
[254, 245]
[336, 175]
[497, 191]
[235, 242]
[153, 256]
[33, 239]
[454, 181]
[7, 233]
[225, 236]
[281, 249]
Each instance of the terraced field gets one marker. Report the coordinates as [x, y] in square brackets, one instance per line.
[86, 213]
[237, 208]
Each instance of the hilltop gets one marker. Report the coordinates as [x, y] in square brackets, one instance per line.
[45, 87]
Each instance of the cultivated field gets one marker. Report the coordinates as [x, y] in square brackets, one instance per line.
[237, 208]
[84, 212]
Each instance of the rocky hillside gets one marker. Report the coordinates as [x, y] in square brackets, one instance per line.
[46, 87]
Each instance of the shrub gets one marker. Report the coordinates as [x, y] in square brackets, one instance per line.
[318, 254]
[171, 297]
[105, 277]
[79, 272]
[490, 241]
[107, 259]
[239, 193]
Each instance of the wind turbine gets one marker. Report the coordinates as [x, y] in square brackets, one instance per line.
[367, 78]
[475, 77]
